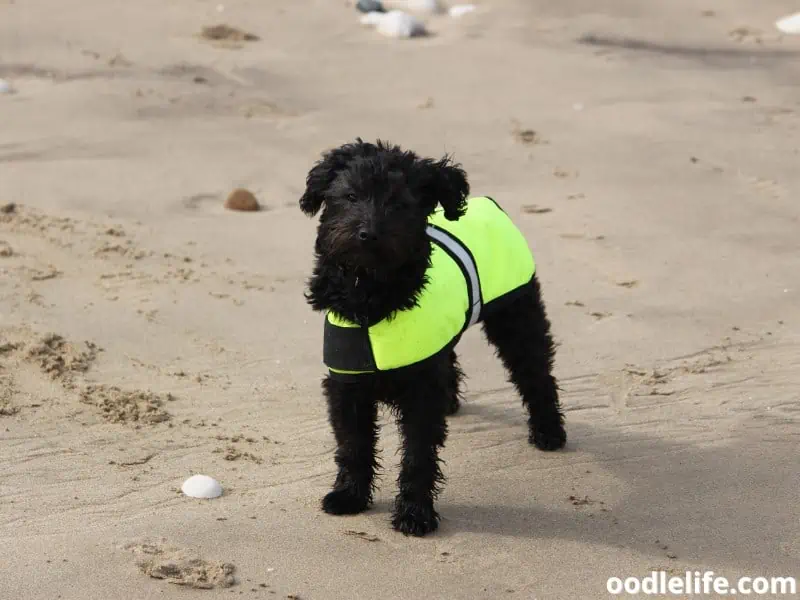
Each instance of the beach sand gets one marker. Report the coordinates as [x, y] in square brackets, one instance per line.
[648, 151]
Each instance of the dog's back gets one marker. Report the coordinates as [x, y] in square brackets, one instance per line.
[499, 250]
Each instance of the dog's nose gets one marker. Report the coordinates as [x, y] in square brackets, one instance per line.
[367, 235]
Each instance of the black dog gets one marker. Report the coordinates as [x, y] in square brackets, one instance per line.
[375, 258]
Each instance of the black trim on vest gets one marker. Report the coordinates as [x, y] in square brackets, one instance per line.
[507, 298]
[400, 371]
[347, 348]
[495, 203]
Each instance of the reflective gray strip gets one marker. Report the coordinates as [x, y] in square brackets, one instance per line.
[457, 249]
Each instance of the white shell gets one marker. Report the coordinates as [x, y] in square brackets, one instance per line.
[429, 7]
[459, 10]
[201, 486]
[398, 24]
[372, 18]
[5, 87]
[790, 24]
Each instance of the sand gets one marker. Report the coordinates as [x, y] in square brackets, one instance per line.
[649, 152]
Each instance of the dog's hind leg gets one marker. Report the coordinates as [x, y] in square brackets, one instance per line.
[520, 332]
[454, 380]
[421, 404]
[353, 415]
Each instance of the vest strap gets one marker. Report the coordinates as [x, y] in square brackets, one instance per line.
[461, 254]
[347, 349]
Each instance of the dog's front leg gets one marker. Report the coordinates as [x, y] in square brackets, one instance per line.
[423, 428]
[353, 413]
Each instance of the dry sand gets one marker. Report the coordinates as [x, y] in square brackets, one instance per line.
[649, 151]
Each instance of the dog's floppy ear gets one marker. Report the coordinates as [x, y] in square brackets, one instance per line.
[444, 182]
[323, 173]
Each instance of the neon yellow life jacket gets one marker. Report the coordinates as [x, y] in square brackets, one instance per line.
[477, 262]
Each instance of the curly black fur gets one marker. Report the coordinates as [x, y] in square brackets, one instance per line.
[384, 195]
[372, 254]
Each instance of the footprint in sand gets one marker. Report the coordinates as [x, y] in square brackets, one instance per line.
[232, 453]
[7, 387]
[54, 357]
[180, 566]
[59, 358]
[226, 36]
[127, 407]
[64, 361]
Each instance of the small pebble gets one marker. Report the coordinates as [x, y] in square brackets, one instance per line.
[5, 87]
[428, 7]
[242, 200]
[395, 24]
[372, 18]
[368, 6]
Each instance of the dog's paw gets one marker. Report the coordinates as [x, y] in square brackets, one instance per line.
[549, 439]
[415, 519]
[344, 502]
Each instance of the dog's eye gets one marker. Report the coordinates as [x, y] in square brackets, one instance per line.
[352, 198]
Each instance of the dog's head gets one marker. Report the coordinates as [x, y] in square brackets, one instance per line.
[376, 199]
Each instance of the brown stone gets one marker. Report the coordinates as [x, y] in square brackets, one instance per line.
[242, 199]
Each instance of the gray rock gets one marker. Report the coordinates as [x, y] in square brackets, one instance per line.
[367, 6]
